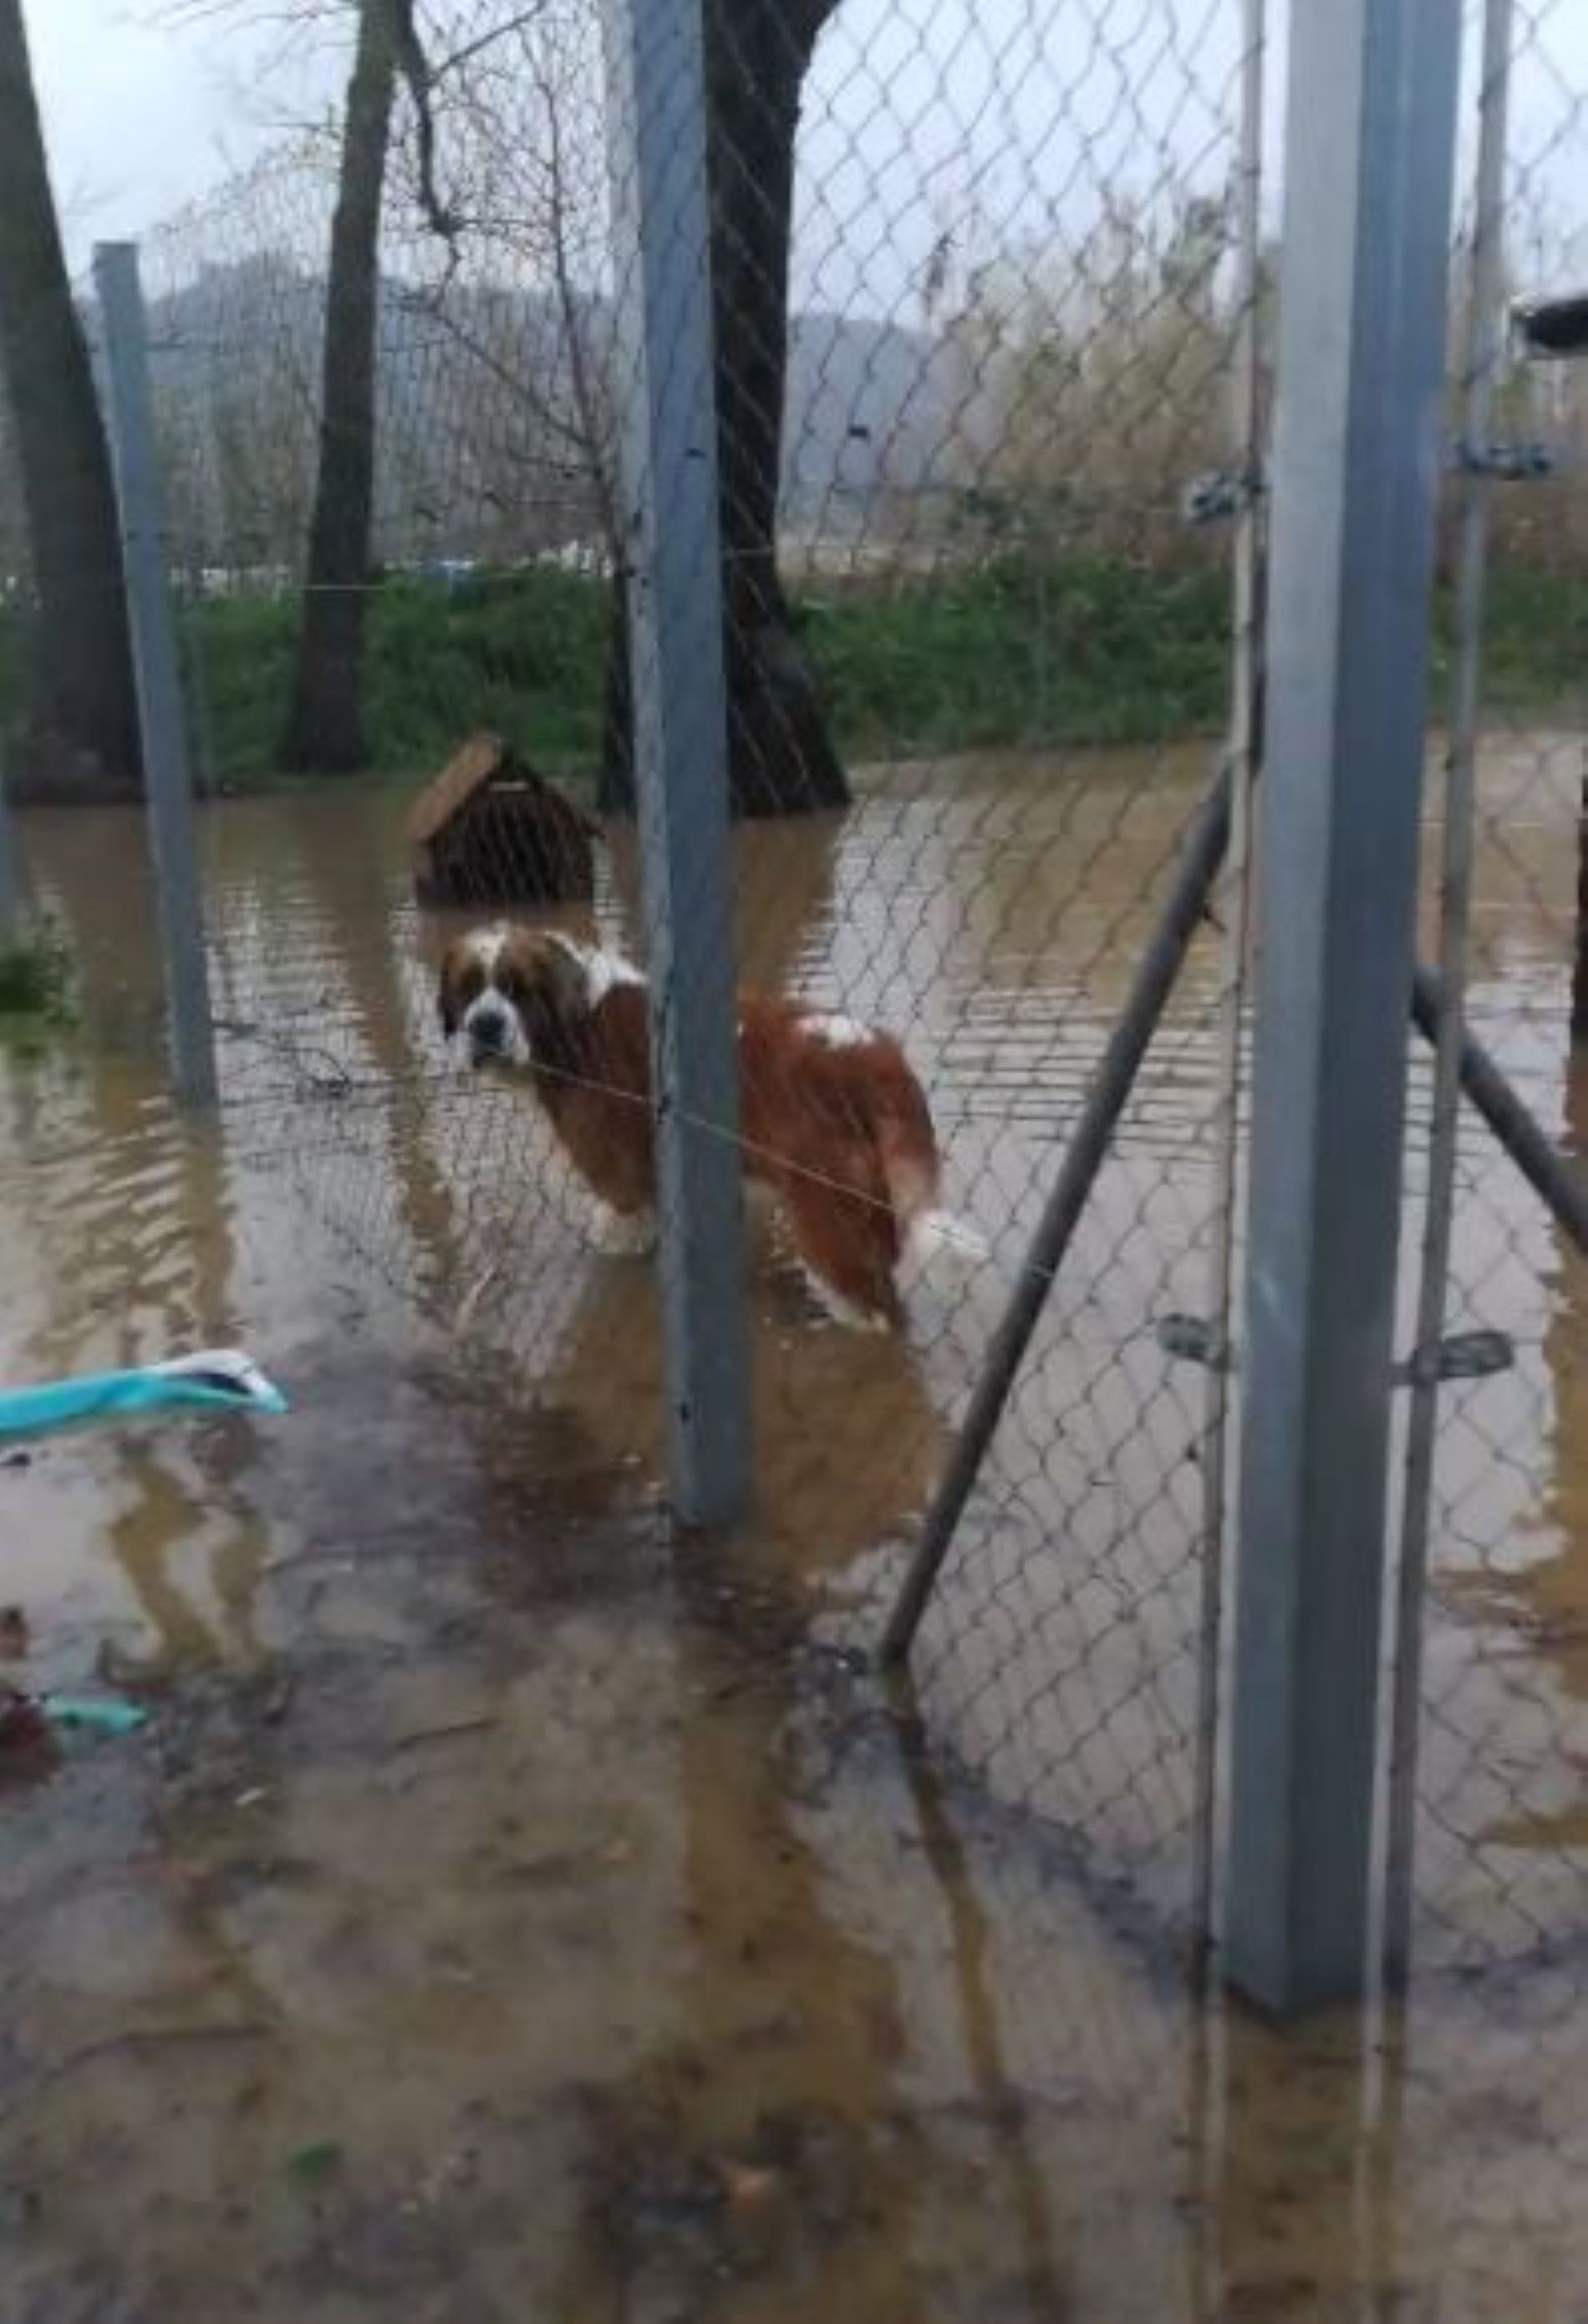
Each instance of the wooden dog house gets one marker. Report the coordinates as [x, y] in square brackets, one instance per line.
[490, 830]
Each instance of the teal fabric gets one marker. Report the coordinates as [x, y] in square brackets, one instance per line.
[110, 1396]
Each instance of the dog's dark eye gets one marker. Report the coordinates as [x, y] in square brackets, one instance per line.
[510, 984]
[471, 983]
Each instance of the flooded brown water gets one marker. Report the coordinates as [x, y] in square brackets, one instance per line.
[510, 1913]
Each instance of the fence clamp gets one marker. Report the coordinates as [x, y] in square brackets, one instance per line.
[1508, 463]
[1464, 1355]
[1219, 493]
[1193, 1340]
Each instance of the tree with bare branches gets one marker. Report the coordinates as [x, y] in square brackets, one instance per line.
[530, 420]
[526, 122]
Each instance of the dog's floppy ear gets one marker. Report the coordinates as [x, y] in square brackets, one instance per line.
[446, 991]
[562, 978]
[546, 979]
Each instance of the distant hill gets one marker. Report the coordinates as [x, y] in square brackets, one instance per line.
[480, 455]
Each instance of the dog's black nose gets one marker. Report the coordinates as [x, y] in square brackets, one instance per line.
[488, 1036]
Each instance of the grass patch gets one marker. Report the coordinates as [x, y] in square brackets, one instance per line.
[1020, 652]
[35, 987]
[1004, 653]
[1535, 654]
[522, 653]
[1016, 652]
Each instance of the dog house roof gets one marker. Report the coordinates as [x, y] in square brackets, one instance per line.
[485, 759]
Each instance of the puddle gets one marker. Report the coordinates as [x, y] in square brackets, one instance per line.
[508, 1913]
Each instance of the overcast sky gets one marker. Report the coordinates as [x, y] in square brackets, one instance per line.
[988, 119]
[147, 106]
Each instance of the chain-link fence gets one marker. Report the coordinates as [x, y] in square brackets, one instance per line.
[980, 684]
[1499, 1874]
[974, 631]
[993, 324]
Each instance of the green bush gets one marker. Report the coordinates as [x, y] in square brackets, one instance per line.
[35, 985]
[520, 653]
[1003, 653]
[1017, 650]
[1025, 652]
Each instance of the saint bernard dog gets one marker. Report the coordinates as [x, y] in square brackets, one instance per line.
[832, 1119]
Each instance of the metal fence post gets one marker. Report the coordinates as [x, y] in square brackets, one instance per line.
[10, 866]
[1370, 163]
[167, 779]
[669, 514]
[1483, 359]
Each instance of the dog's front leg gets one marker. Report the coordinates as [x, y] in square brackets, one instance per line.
[622, 1234]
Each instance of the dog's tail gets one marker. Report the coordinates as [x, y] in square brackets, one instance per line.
[935, 1233]
[939, 1252]
[933, 1242]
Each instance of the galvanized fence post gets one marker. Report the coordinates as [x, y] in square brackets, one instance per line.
[669, 518]
[1369, 160]
[10, 866]
[166, 774]
[1249, 579]
[1483, 359]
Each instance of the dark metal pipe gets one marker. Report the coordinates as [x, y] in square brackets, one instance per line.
[1485, 1087]
[1201, 856]
[1544, 1167]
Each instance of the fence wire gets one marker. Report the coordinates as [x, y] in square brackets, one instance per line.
[993, 305]
[1500, 1870]
[977, 334]
[961, 594]
[996, 632]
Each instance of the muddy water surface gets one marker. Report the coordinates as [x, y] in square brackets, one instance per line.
[508, 1913]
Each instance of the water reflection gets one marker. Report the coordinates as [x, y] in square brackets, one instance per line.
[990, 913]
[591, 1326]
[973, 1975]
[789, 1956]
[1299, 2170]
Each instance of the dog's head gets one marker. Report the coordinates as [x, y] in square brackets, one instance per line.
[512, 993]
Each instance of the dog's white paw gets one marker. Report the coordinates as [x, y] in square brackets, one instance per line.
[837, 1308]
[622, 1234]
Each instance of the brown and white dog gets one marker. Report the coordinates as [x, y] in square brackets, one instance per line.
[831, 1119]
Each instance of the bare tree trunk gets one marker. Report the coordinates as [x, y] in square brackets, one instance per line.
[781, 757]
[84, 739]
[326, 731]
